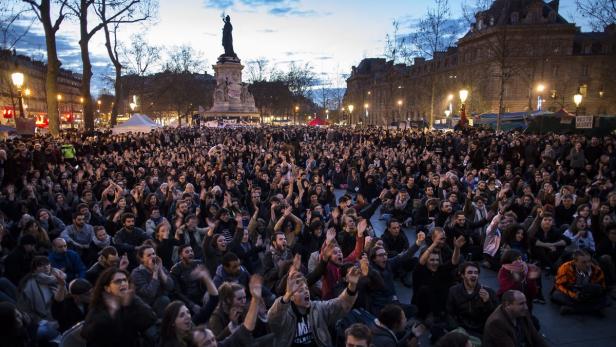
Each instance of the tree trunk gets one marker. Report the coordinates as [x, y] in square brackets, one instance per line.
[501, 101]
[118, 94]
[84, 41]
[432, 91]
[53, 69]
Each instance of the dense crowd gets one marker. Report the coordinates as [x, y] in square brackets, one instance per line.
[263, 236]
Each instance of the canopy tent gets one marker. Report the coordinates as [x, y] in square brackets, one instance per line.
[138, 123]
[318, 122]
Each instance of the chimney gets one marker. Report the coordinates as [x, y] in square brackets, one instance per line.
[554, 5]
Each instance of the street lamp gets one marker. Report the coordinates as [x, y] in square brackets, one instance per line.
[18, 81]
[463, 96]
[399, 108]
[577, 99]
[326, 114]
[366, 105]
[351, 107]
[540, 88]
[296, 113]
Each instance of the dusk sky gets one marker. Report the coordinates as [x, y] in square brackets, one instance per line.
[332, 35]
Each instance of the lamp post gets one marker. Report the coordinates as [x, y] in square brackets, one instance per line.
[59, 98]
[366, 106]
[351, 107]
[327, 114]
[463, 96]
[450, 100]
[296, 113]
[18, 82]
[577, 99]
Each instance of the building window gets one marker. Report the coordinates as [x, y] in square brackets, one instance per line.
[515, 17]
[584, 89]
[585, 70]
[555, 71]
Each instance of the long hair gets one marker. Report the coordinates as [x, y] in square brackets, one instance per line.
[167, 326]
[226, 294]
[98, 301]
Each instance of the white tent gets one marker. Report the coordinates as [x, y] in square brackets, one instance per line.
[138, 123]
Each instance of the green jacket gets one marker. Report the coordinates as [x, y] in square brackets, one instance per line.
[68, 151]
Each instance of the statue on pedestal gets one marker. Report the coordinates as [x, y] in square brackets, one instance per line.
[227, 38]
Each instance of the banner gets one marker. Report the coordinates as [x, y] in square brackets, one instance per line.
[25, 126]
[584, 122]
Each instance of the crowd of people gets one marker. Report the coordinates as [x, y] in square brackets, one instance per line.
[257, 236]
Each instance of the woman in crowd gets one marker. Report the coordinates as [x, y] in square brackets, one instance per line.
[116, 316]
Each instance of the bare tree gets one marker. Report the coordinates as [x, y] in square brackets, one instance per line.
[299, 78]
[257, 70]
[137, 12]
[12, 32]
[42, 10]
[434, 33]
[469, 10]
[601, 13]
[140, 57]
[184, 58]
[117, 9]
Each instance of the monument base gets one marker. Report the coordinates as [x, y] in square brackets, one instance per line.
[232, 117]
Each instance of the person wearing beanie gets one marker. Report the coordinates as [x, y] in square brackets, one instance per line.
[70, 308]
[17, 263]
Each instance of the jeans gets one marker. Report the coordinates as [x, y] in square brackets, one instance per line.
[578, 306]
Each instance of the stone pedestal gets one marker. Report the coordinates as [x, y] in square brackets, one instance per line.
[232, 100]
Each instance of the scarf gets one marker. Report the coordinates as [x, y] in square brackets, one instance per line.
[102, 244]
[39, 291]
[517, 266]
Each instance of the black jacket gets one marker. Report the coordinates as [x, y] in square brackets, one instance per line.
[468, 310]
[124, 329]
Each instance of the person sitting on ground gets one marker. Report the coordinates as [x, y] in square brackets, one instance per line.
[242, 335]
[108, 258]
[66, 260]
[580, 285]
[153, 284]
[516, 274]
[129, 238]
[70, 305]
[117, 317]
[36, 294]
[389, 326]
[189, 291]
[470, 303]
[510, 324]
[78, 235]
[296, 320]
[432, 279]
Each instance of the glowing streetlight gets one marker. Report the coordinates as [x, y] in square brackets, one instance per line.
[577, 99]
[326, 114]
[59, 97]
[463, 96]
[351, 108]
[18, 82]
[447, 113]
[540, 87]
[450, 97]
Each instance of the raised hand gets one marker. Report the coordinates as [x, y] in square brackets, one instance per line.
[353, 275]
[256, 286]
[421, 238]
[361, 227]
[484, 295]
[364, 265]
[459, 242]
[331, 235]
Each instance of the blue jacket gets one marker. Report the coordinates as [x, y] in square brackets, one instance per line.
[69, 262]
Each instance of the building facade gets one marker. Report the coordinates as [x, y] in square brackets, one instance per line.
[33, 90]
[518, 56]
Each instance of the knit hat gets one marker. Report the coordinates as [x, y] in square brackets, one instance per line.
[27, 240]
[79, 286]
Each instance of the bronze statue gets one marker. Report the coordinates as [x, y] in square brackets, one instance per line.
[227, 37]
